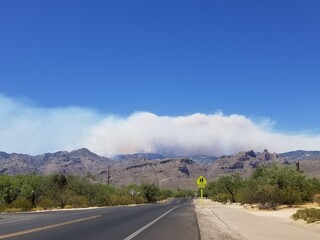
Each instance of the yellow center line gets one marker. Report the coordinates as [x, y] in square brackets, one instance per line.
[46, 227]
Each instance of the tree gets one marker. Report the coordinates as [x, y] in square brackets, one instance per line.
[231, 184]
[226, 187]
[150, 191]
[9, 189]
[58, 189]
[33, 187]
[279, 185]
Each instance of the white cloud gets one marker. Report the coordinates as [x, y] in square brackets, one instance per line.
[29, 129]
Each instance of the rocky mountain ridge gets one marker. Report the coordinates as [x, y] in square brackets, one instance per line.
[78, 162]
[171, 172]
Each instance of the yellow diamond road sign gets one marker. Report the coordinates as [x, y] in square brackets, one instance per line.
[201, 182]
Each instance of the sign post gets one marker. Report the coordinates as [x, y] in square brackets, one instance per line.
[132, 192]
[201, 182]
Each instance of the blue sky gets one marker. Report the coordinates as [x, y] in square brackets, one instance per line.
[259, 59]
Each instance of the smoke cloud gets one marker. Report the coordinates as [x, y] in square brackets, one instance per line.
[25, 128]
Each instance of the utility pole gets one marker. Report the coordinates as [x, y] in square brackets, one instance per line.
[298, 167]
[108, 175]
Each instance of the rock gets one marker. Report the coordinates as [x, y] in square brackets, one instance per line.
[265, 155]
[251, 154]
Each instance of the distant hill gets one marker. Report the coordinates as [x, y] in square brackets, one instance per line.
[206, 159]
[78, 162]
[171, 172]
[301, 155]
[155, 156]
[139, 156]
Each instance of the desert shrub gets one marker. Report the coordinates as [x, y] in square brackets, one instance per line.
[150, 192]
[221, 197]
[165, 193]
[269, 186]
[32, 191]
[77, 202]
[316, 198]
[115, 200]
[244, 194]
[268, 206]
[3, 206]
[300, 214]
[290, 196]
[181, 193]
[138, 200]
[312, 219]
[46, 203]
[67, 206]
[313, 212]
[100, 194]
[279, 185]
[22, 204]
[12, 210]
[308, 214]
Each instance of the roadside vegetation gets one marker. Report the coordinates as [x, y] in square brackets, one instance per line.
[310, 215]
[269, 186]
[38, 192]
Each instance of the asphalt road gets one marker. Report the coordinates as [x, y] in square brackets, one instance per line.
[172, 220]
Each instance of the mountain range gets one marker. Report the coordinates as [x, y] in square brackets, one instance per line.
[165, 171]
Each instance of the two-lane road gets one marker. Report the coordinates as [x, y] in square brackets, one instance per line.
[172, 220]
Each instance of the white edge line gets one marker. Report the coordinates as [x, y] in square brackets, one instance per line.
[18, 220]
[148, 225]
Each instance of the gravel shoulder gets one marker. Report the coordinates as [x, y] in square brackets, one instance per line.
[218, 221]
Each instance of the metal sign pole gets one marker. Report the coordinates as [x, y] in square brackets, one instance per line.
[201, 198]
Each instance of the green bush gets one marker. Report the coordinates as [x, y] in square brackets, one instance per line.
[309, 214]
[312, 219]
[313, 212]
[269, 186]
[46, 203]
[300, 214]
[3, 206]
[78, 202]
[22, 204]
[138, 200]
[226, 187]
[12, 210]
[32, 191]
[221, 197]
[115, 200]
[67, 206]
[150, 192]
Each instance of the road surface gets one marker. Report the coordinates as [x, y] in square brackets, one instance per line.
[172, 220]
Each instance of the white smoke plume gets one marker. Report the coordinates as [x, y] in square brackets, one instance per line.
[25, 128]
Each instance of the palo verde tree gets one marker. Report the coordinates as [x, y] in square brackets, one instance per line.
[275, 185]
[58, 187]
[150, 192]
[226, 187]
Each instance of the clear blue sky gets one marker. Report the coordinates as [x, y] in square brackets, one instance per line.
[256, 58]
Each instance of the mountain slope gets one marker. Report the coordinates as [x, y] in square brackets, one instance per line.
[166, 172]
[79, 162]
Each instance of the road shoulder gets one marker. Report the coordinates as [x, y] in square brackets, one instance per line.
[218, 221]
[211, 227]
